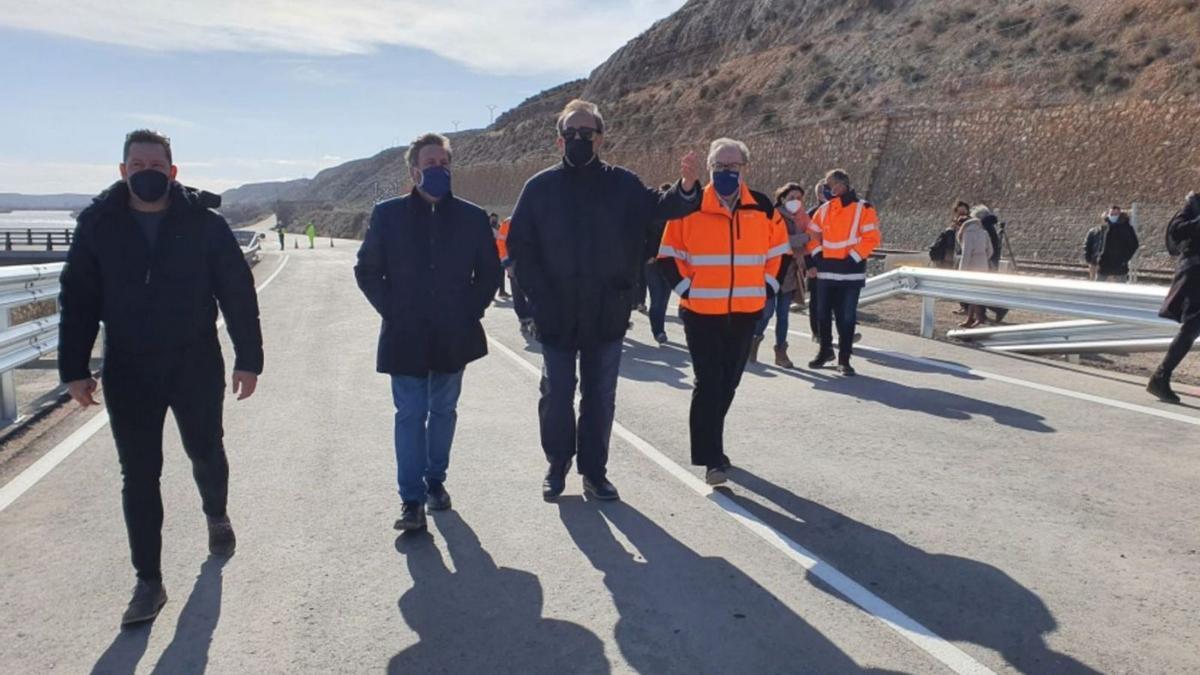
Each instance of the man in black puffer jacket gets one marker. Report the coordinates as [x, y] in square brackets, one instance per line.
[578, 239]
[152, 261]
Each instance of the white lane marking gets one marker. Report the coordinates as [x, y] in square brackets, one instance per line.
[952, 657]
[39, 469]
[1045, 388]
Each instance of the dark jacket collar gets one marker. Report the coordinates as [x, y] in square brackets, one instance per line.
[115, 200]
[593, 165]
[849, 198]
[418, 203]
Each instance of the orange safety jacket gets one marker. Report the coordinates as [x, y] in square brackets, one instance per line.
[502, 240]
[845, 231]
[727, 261]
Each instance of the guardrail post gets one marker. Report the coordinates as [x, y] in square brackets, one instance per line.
[927, 317]
[29, 236]
[67, 236]
[8, 241]
[8, 385]
[49, 242]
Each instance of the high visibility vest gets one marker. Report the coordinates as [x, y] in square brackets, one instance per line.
[843, 237]
[502, 239]
[727, 260]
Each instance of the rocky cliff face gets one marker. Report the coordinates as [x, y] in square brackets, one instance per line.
[1047, 110]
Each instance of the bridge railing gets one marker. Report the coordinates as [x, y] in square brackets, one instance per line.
[28, 341]
[1113, 309]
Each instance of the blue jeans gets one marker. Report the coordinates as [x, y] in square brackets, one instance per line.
[779, 305]
[562, 436]
[426, 414]
[660, 294]
[838, 300]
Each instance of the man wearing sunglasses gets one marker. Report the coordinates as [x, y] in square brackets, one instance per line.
[579, 234]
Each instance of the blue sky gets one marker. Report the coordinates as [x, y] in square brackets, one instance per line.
[269, 90]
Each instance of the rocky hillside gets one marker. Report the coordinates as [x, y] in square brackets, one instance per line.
[1046, 109]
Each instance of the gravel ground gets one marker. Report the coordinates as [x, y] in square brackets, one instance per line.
[904, 315]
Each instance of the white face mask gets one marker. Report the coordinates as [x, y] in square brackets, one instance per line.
[792, 205]
[1113, 219]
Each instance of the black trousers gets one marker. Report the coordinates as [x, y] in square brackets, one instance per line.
[720, 347]
[840, 301]
[1181, 345]
[137, 392]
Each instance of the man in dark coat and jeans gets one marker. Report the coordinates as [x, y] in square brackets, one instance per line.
[578, 238]
[428, 265]
[152, 260]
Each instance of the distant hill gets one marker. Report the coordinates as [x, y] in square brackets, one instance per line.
[1048, 110]
[63, 202]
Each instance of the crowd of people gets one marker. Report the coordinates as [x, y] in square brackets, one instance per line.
[153, 261]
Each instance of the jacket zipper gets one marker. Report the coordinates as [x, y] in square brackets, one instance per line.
[733, 220]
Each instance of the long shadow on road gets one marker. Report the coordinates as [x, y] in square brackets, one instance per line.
[188, 650]
[681, 612]
[481, 618]
[959, 599]
[935, 402]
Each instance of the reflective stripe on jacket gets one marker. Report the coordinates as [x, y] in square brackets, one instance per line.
[727, 261]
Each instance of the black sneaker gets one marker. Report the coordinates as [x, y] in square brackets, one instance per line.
[1160, 387]
[221, 540]
[821, 360]
[725, 463]
[436, 497]
[715, 476]
[600, 489]
[555, 481]
[148, 600]
[661, 338]
[412, 517]
[846, 370]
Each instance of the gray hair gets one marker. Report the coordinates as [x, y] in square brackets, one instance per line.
[722, 143]
[580, 105]
[980, 212]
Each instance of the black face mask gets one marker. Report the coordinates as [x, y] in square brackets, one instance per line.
[149, 185]
[579, 151]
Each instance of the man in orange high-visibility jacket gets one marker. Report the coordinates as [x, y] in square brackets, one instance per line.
[724, 261]
[845, 231]
[501, 250]
[520, 302]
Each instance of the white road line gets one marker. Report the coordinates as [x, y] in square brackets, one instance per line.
[952, 657]
[1046, 388]
[41, 468]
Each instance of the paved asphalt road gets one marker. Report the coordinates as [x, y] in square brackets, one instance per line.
[947, 510]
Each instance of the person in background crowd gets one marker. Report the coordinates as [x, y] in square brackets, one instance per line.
[501, 250]
[428, 266]
[578, 238]
[959, 215]
[1110, 246]
[1183, 300]
[976, 252]
[724, 261]
[153, 261]
[793, 219]
[821, 195]
[990, 223]
[942, 251]
[845, 232]
[282, 236]
[656, 283]
[311, 231]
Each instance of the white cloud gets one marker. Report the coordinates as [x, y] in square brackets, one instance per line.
[216, 175]
[503, 37]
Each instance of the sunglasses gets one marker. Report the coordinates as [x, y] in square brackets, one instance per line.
[571, 132]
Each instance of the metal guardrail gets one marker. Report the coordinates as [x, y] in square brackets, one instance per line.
[26, 342]
[38, 238]
[1114, 310]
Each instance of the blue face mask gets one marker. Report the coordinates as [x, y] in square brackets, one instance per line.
[726, 183]
[826, 193]
[435, 181]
